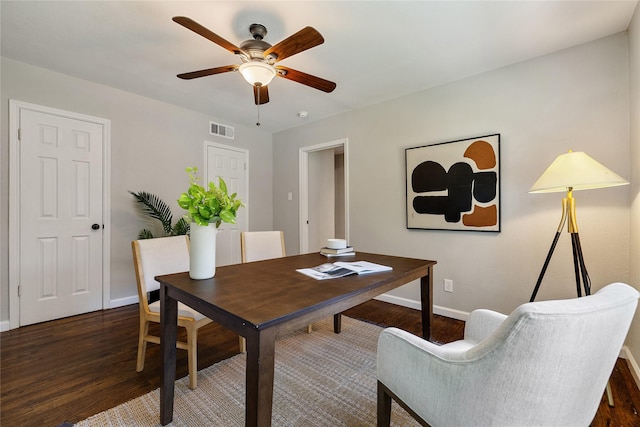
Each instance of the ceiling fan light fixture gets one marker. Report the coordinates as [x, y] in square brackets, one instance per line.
[258, 58]
[257, 73]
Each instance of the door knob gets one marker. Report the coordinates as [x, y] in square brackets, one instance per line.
[95, 227]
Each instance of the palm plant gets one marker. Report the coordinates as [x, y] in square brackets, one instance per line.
[156, 208]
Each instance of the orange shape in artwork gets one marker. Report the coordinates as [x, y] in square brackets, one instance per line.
[482, 153]
[481, 217]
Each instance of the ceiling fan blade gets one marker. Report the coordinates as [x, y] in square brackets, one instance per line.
[304, 39]
[306, 79]
[206, 33]
[208, 72]
[264, 94]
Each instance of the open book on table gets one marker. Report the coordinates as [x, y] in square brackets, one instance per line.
[341, 269]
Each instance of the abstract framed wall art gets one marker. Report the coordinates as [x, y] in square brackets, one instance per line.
[454, 185]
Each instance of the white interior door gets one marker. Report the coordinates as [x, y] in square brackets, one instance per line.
[231, 164]
[61, 216]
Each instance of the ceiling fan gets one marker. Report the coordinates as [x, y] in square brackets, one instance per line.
[259, 58]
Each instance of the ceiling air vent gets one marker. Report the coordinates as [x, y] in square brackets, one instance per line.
[221, 130]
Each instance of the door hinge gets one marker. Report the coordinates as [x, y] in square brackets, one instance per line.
[19, 134]
[19, 290]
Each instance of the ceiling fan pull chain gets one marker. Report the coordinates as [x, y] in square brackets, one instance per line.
[258, 86]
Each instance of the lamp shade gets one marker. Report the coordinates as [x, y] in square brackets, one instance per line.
[576, 171]
[256, 72]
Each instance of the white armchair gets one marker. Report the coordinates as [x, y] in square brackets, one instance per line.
[546, 364]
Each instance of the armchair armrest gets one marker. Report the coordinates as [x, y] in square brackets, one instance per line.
[481, 324]
[406, 363]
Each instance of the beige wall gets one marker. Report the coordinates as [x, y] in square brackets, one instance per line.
[151, 144]
[574, 99]
[634, 105]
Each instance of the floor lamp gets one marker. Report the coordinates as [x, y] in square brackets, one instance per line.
[570, 172]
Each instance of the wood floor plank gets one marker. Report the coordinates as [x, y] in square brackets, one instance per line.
[70, 369]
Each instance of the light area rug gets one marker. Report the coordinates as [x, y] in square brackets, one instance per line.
[321, 379]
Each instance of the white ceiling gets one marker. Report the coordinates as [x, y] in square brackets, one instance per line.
[373, 50]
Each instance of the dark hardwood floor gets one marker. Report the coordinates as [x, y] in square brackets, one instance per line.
[70, 369]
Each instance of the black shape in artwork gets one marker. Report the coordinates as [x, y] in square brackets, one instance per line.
[484, 187]
[461, 184]
[429, 176]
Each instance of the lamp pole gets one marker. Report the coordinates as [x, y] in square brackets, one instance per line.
[568, 217]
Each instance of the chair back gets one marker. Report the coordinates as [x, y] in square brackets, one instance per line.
[551, 360]
[155, 257]
[261, 245]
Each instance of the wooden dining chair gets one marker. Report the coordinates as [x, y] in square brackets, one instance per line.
[151, 258]
[262, 245]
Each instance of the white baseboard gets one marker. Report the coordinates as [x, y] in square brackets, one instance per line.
[404, 302]
[121, 302]
[442, 311]
[114, 303]
[625, 353]
[451, 312]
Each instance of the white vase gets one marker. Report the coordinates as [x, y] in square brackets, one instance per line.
[202, 259]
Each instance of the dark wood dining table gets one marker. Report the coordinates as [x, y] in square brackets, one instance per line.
[262, 300]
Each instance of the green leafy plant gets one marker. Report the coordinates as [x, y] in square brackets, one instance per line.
[211, 205]
[156, 208]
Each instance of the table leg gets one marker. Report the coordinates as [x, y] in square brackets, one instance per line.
[426, 299]
[337, 323]
[261, 347]
[168, 332]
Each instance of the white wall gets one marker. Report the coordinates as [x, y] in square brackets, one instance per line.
[574, 99]
[151, 144]
[633, 339]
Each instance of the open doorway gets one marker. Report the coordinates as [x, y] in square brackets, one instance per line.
[324, 198]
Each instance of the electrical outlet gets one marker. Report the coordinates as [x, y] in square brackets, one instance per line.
[448, 285]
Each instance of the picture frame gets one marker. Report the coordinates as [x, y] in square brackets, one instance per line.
[454, 185]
